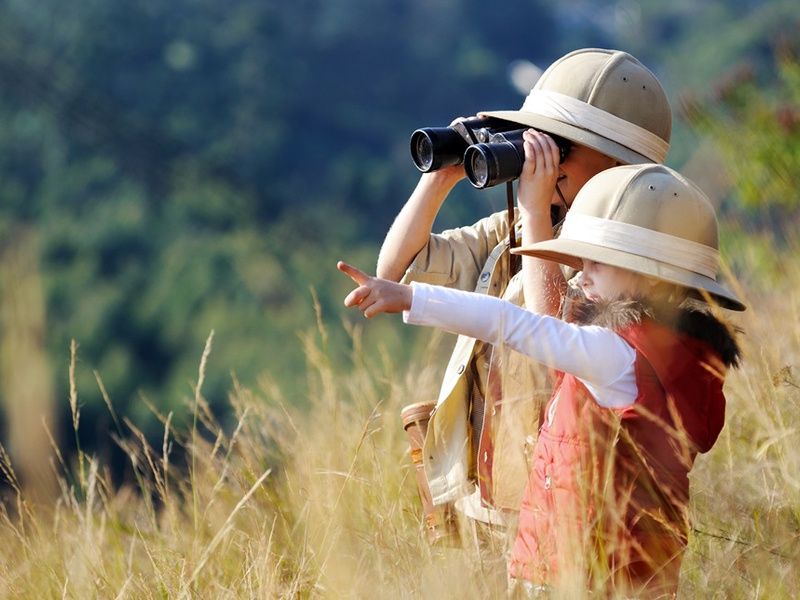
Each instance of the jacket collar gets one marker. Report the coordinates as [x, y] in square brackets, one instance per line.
[697, 323]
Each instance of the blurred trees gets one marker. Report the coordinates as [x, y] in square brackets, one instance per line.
[751, 117]
[25, 378]
[193, 165]
[197, 165]
[755, 122]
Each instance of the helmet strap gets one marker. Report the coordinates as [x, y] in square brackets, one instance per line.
[514, 260]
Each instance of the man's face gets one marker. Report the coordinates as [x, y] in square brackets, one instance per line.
[582, 163]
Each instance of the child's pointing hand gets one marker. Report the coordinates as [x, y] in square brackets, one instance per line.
[374, 296]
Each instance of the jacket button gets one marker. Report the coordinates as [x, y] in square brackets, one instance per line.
[548, 482]
[485, 276]
[460, 369]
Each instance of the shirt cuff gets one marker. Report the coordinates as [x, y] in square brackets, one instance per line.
[419, 298]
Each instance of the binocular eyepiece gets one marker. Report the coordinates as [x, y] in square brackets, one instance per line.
[491, 149]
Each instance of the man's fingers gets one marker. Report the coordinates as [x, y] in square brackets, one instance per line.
[356, 275]
[552, 150]
[547, 144]
[541, 155]
[547, 151]
[529, 145]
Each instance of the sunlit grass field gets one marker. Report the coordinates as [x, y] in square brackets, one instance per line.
[322, 502]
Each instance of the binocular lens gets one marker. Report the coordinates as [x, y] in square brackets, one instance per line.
[477, 169]
[433, 148]
[422, 152]
[489, 164]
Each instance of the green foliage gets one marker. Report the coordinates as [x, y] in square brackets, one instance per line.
[191, 166]
[756, 125]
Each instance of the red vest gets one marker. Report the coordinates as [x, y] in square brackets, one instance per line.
[608, 490]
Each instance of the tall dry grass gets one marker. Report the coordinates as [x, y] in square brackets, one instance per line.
[746, 491]
[322, 502]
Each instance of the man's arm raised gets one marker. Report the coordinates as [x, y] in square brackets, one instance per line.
[412, 227]
[543, 282]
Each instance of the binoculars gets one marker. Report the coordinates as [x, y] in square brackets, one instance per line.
[491, 149]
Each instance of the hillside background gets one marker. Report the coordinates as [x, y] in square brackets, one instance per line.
[172, 168]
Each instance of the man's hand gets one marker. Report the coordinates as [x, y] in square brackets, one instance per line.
[374, 296]
[542, 281]
[539, 174]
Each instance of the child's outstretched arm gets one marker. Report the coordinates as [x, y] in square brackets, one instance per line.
[596, 355]
[374, 296]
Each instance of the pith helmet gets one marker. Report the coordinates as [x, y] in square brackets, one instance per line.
[604, 99]
[647, 219]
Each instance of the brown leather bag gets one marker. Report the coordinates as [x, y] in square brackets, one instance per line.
[440, 524]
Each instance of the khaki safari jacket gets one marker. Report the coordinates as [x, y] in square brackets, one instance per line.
[475, 258]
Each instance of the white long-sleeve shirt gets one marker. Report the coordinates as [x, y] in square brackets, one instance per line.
[598, 357]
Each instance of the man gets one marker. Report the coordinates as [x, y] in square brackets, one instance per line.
[614, 111]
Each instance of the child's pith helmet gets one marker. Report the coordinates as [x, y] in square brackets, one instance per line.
[604, 99]
[647, 219]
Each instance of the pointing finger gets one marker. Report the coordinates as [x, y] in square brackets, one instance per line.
[355, 274]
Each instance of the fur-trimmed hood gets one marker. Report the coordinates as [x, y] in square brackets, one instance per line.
[694, 322]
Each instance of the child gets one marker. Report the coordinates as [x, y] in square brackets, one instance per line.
[639, 375]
